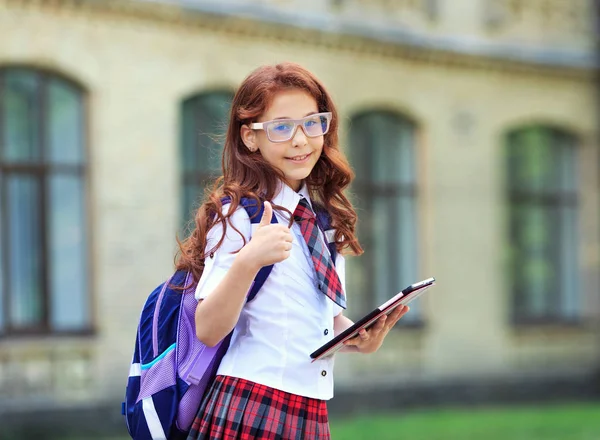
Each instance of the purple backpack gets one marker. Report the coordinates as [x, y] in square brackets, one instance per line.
[171, 369]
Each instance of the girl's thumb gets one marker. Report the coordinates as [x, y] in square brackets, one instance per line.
[267, 214]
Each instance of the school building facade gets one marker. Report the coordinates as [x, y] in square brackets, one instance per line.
[472, 127]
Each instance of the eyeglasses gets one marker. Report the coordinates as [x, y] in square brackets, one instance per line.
[282, 130]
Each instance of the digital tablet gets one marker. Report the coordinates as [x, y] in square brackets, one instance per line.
[404, 297]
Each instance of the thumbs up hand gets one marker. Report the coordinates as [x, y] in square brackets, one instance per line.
[270, 243]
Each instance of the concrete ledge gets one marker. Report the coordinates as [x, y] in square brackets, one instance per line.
[531, 391]
[105, 420]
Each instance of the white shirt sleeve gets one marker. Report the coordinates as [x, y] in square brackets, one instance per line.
[216, 267]
[340, 267]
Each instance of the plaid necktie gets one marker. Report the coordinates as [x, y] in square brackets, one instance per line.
[329, 282]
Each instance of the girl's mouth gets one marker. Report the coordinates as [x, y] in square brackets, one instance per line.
[299, 159]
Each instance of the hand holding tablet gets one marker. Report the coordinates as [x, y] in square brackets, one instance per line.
[369, 341]
[407, 295]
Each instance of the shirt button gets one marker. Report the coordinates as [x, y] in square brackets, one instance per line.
[323, 373]
[326, 332]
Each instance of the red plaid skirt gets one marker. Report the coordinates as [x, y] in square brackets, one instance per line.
[237, 409]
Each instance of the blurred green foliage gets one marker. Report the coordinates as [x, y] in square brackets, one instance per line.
[564, 422]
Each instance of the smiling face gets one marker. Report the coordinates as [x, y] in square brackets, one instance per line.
[296, 157]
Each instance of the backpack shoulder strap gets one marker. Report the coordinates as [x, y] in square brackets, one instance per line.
[255, 212]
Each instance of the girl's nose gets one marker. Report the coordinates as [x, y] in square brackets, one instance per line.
[299, 138]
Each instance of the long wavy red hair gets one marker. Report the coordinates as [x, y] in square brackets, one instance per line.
[249, 175]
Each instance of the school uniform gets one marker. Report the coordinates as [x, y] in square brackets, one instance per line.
[266, 385]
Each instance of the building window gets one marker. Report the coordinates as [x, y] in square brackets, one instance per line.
[382, 153]
[44, 276]
[204, 124]
[541, 185]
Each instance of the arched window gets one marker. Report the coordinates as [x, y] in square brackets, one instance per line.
[204, 122]
[382, 153]
[44, 273]
[541, 189]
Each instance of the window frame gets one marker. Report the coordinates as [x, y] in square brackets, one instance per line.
[364, 188]
[41, 170]
[199, 177]
[557, 199]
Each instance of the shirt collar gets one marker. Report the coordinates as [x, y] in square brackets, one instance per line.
[288, 198]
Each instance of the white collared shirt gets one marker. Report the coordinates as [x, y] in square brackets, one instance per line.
[287, 320]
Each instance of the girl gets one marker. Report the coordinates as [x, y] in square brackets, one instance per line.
[281, 148]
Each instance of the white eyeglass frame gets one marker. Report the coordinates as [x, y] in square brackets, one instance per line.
[297, 123]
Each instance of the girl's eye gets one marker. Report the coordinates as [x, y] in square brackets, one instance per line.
[282, 127]
[310, 123]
